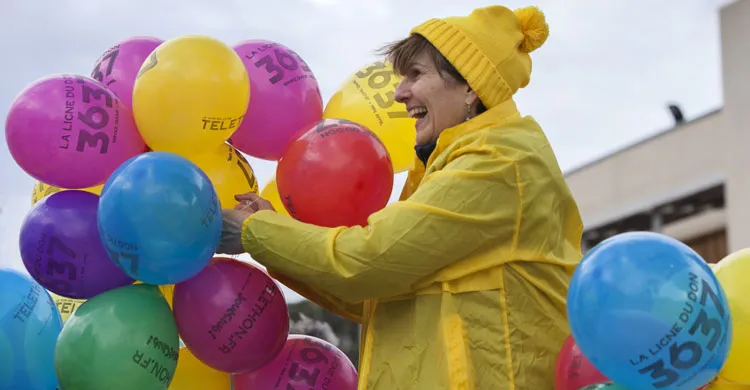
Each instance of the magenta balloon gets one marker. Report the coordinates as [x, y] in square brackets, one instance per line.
[69, 131]
[118, 66]
[61, 248]
[305, 362]
[232, 316]
[285, 99]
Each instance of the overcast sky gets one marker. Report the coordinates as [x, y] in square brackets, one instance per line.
[601, 81]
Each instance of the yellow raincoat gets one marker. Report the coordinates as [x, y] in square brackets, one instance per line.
[462, 283]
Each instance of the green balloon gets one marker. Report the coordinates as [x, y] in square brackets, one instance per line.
[125, 338]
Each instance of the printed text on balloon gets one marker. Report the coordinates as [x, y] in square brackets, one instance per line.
[152, 365]
[60, 273]
[280, 61]
[311, 355]
[685, 355]
[379, 80]
[240, 329]
[26, 308]
[95, 118]
[119, 250]
[110, 57]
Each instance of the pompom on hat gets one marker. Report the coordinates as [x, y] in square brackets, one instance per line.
[490, 47]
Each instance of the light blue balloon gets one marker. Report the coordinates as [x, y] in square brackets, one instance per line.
[29, 326]
[159, 218]
[649, 313]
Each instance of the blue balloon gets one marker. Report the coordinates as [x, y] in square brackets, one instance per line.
[29, 326]
[159, 218]
[649, 313]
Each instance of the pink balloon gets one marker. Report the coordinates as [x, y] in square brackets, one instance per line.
[118, 66]
[232, 316]
[305, 363]
[69, 131]
[284, 102]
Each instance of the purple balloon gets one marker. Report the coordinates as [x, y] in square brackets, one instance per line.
[285, 99]
[232, 315]
[305, 362]
[61, 248]
[69, 131]
[118, 67]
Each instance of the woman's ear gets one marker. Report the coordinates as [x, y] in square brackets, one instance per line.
[471, 97]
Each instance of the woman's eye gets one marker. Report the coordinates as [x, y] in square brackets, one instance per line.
[413, 73]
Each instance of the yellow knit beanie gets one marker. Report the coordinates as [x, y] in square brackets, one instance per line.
[490, 47]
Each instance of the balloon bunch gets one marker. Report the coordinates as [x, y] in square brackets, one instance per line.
[647, 312]
[133, 166]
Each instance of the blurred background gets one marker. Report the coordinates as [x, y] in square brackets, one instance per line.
[643, 101]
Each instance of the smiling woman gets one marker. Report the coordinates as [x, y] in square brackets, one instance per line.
[433, 90]
[462, 283]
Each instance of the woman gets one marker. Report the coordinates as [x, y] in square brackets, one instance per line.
[461, 284]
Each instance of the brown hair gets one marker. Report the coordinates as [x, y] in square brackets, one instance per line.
[402, 53]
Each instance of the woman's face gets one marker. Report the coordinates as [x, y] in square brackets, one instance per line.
[437, 101]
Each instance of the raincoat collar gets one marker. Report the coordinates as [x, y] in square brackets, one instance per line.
[498, 115]
[502, 113]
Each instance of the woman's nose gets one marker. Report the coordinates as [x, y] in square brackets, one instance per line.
[402, 92]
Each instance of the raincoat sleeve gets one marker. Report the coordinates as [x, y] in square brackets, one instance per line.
[350, 311]
[468, 206]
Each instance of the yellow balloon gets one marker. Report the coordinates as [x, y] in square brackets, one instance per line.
[66, 306]
[168, 291]
[721, 384]
[271, 193]
[190, 94]
[731, 273]
[191, 374]
[42, 190]
[368, 98]
[229, 172]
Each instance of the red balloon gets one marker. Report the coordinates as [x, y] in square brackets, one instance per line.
[305, 362]
[336, 174]
[574, 371]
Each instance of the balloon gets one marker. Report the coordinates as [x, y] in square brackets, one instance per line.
[29, 326]
[602, 386]
[720, 384]
[649, 313]
[336, 174]
[368, 97]
[160, 218]
[69, 131]
[271, 193]
[117, 66]
[229, 172]
[124, 338]
[731, 273]
[66, 306]
[232, 316]
[42, 190]
[281, 83]
[168, 291]
[192, 374]
[305, 362]
[61, 248]
[191, 94]
[574, 371]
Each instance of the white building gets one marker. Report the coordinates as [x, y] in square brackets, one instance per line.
[692, 181]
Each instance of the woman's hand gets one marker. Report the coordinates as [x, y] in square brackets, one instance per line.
[233, 219]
